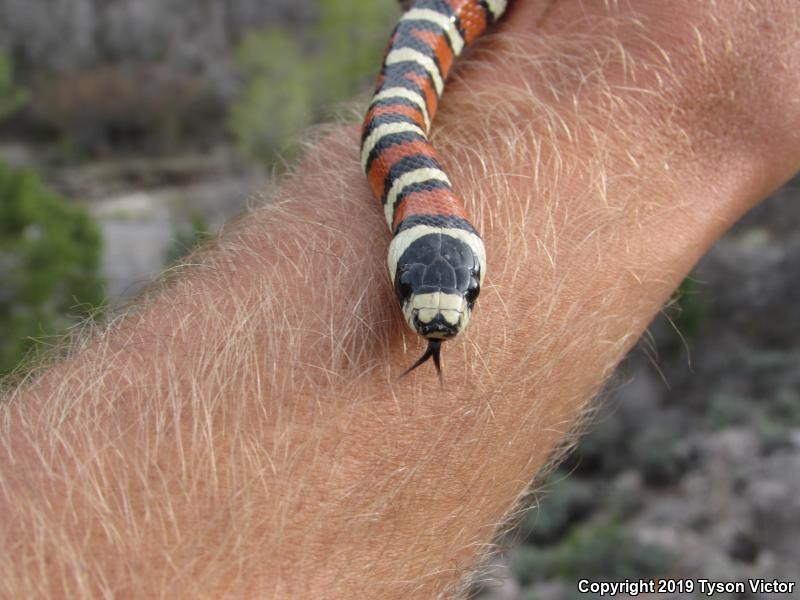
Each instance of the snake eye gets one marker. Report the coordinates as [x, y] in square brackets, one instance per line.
[403, 288]
[472, 291]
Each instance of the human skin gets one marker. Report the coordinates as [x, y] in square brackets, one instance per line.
[242, 431]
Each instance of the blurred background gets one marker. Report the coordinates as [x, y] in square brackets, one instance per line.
[132, 129]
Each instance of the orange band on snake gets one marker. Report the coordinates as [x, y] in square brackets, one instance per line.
[437, 260]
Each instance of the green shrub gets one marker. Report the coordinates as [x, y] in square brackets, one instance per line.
[605, 551]
[49, 255]
[772, 417]
[729, 409]
[11, 97]
[277, 99]
[350, 38]
[686, 313]
[658, 457]
[784, 406]
[292, 80]
[601, 551]
[187, 236]
[623, 499]
[569, 500]
[689, 311]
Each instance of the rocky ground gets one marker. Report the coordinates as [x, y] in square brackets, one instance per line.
[146, 229]
[150, 209]
[692, 470]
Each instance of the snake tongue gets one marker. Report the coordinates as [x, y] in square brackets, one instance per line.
[433, 351]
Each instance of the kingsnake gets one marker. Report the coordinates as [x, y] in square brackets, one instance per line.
[437, 260]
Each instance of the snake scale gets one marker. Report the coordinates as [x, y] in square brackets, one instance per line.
[437, 260]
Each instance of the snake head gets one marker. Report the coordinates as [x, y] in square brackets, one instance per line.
[437, 278]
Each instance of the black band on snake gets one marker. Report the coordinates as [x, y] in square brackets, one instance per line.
[437, 260]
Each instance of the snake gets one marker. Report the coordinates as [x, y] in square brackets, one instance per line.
[436, 258]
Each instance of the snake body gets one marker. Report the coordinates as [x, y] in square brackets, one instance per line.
[437, 260]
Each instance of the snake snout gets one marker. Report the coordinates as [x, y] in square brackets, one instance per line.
[440, 326]
[437, 315]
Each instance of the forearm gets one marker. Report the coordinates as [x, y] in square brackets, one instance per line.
[244, 430]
